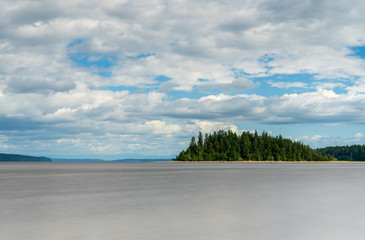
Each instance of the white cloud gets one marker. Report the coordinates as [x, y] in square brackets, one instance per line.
[211, 45]
[210, 126]
[358, 135]
[68, 141]
[316, 137]
[330, 85]
[288, 84]
[4, 145]
[318, 141]
[100, 148]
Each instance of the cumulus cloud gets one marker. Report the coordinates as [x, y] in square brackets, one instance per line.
[58, 58]
[323, 106]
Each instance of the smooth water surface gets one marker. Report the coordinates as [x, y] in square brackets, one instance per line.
[193, 201]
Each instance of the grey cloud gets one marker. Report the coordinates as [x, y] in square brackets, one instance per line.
[131, 10]
[33, 11]
[168, 86]
[239, 108]
[238, 84]
[287, 10]
[288, 109]
[25, 85]
[237, 25]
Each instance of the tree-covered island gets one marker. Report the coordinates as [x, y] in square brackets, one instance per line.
[229, 146]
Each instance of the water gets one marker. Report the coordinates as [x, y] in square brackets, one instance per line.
[57, 201]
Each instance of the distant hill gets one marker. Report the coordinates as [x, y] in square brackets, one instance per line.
[22, 158]
[345, 153]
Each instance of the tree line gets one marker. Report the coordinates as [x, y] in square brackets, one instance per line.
[346, 153]
[229, 146]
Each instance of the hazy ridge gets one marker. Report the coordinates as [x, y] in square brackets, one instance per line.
[22, 158]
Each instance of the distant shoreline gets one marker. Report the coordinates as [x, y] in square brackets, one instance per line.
[272, 162]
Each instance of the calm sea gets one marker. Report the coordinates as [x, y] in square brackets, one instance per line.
[192, 201]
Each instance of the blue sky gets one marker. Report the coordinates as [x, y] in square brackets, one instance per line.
[122, 79]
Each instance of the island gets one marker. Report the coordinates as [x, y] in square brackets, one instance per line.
[229, 146]
[22, 158]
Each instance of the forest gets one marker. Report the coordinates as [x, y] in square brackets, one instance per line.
[229, 146]
[345, 153]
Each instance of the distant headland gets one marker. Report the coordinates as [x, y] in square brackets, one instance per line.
[22, 158]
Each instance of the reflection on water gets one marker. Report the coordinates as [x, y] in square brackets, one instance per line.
[57, 201]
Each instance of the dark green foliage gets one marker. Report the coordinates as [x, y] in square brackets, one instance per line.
[228, 146]
[21, 158]
[346, 153]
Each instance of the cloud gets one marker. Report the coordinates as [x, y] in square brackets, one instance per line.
[288, 84]
[68, 141]
[59, 61]
[330, 85]
[358, 135]
[318, 141]
[238, 84]
[107, 116]
[18, 85]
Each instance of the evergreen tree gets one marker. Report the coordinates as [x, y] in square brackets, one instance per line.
[200, 140]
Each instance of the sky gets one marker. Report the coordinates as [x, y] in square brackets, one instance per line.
[137, 79]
